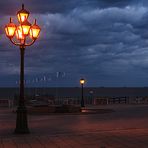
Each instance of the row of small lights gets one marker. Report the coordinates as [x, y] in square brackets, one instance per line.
[45, 79]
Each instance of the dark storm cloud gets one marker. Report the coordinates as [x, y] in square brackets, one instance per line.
[46, 6]
[104, 41]
[56, 6]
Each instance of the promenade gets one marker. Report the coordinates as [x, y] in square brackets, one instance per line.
[126, 127]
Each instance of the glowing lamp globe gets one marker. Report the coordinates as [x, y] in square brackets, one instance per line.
[22, 15]
[10, 29]
[35, 31]
[82, 81]
[19, 33]
[25, 27]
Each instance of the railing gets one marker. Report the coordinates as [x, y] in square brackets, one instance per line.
[6, 103]
[101, 100]
[77, 100]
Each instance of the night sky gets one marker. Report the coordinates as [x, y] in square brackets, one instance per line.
[103, 41]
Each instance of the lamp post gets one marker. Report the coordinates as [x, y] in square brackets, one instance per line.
[22, 35]
[91, 95]
[82, 81]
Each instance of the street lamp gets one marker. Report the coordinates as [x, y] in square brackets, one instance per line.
[22, 35]
[82, 81]
[91, 95]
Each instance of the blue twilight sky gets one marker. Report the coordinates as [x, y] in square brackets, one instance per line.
[103, 41]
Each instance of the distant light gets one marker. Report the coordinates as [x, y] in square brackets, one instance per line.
[82, 81]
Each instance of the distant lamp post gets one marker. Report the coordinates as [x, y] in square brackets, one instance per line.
[82, 81]
[22, 35]
[91, 95]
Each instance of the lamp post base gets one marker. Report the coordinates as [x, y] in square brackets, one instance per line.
[21, 121]
[82, 103]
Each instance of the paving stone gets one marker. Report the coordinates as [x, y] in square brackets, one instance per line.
[76, 131]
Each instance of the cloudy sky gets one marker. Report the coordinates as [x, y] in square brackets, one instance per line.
[103, 41]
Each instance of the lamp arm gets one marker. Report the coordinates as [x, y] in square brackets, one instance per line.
[19, 44]
[13, 42]
[29, 44]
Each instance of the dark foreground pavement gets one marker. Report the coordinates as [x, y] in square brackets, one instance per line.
[127, 127]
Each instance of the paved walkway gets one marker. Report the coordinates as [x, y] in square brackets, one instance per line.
[127, 127]
[132, 138]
